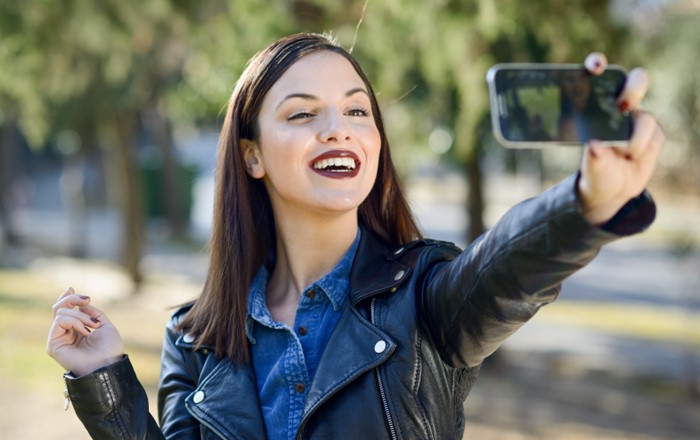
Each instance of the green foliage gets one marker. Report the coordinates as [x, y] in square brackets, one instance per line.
[65, 62]
[675, 94]
[116, 54]
[434, 55]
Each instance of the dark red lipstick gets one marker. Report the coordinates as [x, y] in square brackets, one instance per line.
[336, 164]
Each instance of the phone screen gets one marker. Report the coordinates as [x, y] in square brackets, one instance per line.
[563, 104]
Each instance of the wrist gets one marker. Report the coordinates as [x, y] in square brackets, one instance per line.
[601, 213]
[90, 368]
[596, 207]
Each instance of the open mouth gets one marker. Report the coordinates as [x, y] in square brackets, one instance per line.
[336, 164]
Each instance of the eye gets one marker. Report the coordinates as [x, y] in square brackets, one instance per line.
[300, 115]
[360, 111]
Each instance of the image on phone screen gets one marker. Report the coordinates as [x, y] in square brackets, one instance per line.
[563, 105]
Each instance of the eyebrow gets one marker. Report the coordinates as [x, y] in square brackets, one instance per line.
[310, 97]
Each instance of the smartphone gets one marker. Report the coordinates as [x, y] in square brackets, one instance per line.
[540, 105]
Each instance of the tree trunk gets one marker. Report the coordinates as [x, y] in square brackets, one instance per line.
[128, 184]
[171, 181]
[469, 131]
[9, 144]
[73, 197]
[475, 203]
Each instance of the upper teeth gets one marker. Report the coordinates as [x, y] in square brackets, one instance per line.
[346, 162]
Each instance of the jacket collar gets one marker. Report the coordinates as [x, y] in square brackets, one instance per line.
[376, 267]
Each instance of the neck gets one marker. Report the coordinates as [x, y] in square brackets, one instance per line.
[306, 251]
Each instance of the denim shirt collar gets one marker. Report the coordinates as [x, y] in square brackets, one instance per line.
[335, 285]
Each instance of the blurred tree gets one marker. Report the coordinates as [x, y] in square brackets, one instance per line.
[88, 69]
[675, 95]
[124, 73]
[439, 56]
[114, 73]
[9, 137]
[667, 38]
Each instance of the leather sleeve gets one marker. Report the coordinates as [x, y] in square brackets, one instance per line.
[112, 404]
[474, 302]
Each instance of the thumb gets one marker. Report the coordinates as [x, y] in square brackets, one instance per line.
[596, 171]
[594, 157]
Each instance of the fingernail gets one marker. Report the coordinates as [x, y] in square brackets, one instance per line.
[95, 320]
[593, 147]
[84, 297]
[624, 106]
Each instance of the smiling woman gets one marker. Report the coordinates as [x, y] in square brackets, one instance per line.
[324, 313]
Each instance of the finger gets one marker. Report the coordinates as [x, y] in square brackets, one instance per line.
[645, 126]
[87, 320]
[636, 87]
[94, 313]
[596, 157]
[68, 291]
[70, 301]
[64, 324]
[652, 151]
[595, 63]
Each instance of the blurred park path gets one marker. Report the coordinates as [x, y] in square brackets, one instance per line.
[617, 357]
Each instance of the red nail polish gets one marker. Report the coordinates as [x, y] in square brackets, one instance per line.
[84, 297]
[95, 320]
[624, 106]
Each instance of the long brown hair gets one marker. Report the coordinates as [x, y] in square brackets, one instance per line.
[243, 229]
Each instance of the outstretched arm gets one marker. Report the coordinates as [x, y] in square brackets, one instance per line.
[475, 302]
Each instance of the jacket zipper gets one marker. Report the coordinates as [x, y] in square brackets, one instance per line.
[381, 385]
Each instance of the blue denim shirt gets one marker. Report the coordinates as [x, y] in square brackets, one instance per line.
[285, 359]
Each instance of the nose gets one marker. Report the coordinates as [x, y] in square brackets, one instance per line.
[334, 128]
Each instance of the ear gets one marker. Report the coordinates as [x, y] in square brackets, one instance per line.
[251, 156]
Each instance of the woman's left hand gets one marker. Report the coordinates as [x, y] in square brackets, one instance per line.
[611, 176]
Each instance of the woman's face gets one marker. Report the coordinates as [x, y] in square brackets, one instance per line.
[577, 88]
[318, 147]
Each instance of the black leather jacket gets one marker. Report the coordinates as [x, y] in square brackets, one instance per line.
[406, 350]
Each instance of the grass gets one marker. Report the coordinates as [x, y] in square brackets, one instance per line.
[25, 318]
[26, 298]
[642, 322]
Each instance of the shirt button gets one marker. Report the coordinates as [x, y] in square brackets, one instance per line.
[303, 331]
[310, 294]
[198, 397]
[380, 346]
[300, 387]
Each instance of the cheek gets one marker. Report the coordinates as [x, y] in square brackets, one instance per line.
[373, 151]
[376, 151]
[280, 150]
[372, 141]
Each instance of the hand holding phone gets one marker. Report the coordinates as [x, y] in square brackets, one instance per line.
[609, 177]
[538, 105]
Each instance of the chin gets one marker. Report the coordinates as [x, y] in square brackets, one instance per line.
[340, 205]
